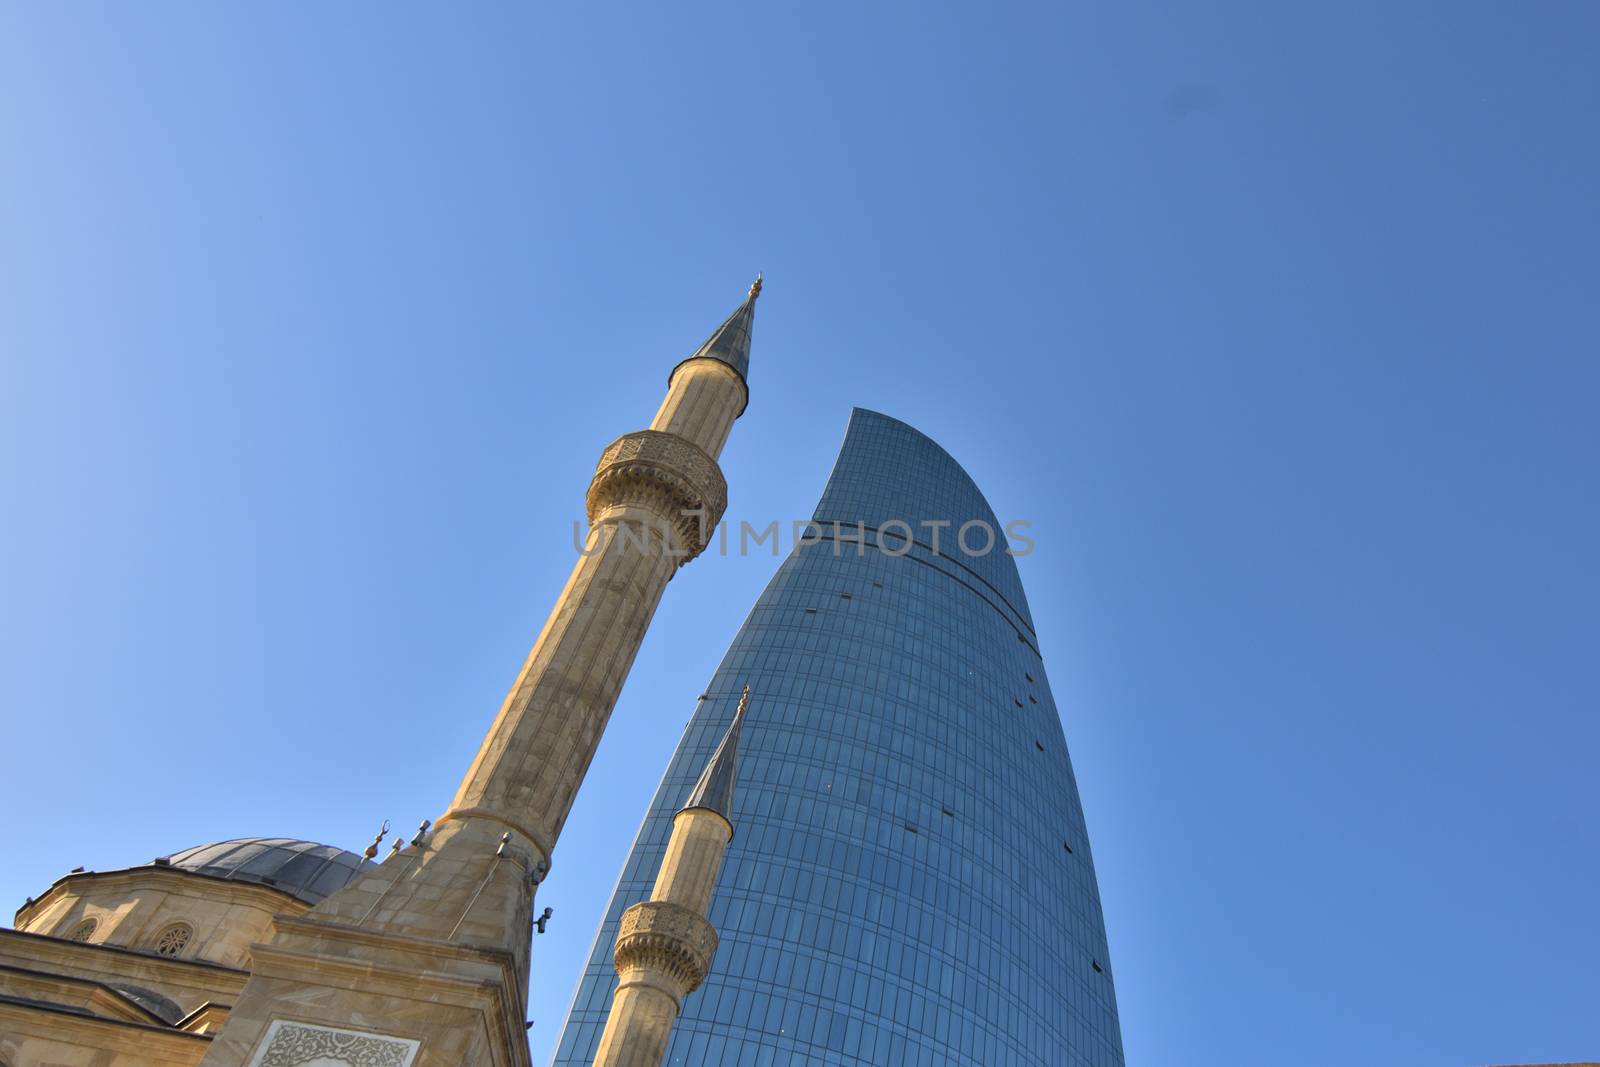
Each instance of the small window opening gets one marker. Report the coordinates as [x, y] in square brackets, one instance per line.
[1028, 676]
[83, 931]
[811, 611]
[912, 827]
[1039, 745]
[173, 940]
[1032, 699]
[1097, 968]
[877, 585]
[1066, 846]
[844, 596]
[1017, 702]
[947, 811]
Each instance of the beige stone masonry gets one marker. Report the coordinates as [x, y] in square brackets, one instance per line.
[42, 1036]
[131, 907]
[187, 983]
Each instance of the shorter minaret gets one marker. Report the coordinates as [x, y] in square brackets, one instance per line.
[665, 944]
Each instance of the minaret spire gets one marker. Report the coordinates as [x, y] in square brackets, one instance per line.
[714, 790]
[665, 944]
[730, 342]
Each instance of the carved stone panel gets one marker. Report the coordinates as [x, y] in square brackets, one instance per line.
[288, 1044]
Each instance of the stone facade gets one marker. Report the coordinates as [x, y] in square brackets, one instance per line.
[113, 999]
[133, 908]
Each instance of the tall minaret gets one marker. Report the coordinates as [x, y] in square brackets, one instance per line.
[665, 944]
[664, 478]
[432, 946]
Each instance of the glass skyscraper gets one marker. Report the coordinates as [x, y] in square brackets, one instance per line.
[910, 880]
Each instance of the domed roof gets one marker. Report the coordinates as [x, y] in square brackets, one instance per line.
[304, 868]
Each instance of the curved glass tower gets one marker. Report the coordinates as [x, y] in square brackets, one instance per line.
[910, 880]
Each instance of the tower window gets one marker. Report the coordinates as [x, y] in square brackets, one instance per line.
[1028, 676]
[83, 931]
[174, 939]
[1017, 702]
[1097, 968]
[1066, 846]
[1039, 745]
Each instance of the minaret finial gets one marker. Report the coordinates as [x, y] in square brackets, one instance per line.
[755, 286]
[372, 849]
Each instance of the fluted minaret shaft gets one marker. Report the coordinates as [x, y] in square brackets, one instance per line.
[665, 944]
[705, 398]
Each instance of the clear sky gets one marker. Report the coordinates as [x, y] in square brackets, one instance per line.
[1278, 323]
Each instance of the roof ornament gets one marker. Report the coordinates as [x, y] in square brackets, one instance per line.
[372, 849]
[755, 286]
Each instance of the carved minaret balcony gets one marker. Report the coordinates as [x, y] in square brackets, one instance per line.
[673, 481]
[665, 944]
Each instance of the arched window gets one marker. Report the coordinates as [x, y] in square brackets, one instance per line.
[83, 931]
[174, 939]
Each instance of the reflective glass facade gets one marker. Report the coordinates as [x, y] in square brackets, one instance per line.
[910, 880]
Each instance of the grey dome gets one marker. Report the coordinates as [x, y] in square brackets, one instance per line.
[304, 868]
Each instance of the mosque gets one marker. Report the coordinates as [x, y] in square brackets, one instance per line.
[274, 952]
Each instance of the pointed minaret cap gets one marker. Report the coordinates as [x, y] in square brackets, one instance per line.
[714, 790]
[730, 342]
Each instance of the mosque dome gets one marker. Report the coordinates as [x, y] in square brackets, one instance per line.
[303, 868]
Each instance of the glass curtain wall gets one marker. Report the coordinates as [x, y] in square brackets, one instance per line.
[910, 880]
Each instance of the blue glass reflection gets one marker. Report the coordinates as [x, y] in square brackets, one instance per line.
[911, 881]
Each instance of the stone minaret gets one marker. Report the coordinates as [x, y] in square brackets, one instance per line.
[665, 944]
[429, 950]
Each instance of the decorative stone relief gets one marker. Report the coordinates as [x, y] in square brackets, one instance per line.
[290, 1044]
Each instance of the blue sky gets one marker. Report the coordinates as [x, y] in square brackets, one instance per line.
[1278, 324]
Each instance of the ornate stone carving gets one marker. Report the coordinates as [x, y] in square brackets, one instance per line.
[295, 1044]
[668, 939]
[669, 476]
